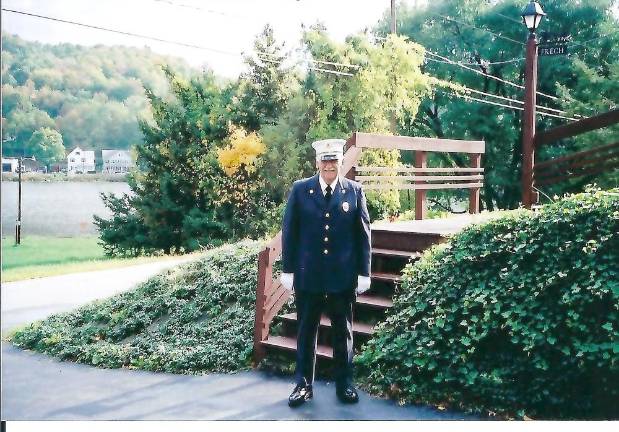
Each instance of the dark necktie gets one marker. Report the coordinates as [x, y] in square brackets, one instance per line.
[328, 194]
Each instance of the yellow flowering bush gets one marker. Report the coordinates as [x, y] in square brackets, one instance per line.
[242, 149]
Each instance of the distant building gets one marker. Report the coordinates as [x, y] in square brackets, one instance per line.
[116, 161]
[10, 164]
[81, 161]
[59, 167]
[32, 165]
[29, 164]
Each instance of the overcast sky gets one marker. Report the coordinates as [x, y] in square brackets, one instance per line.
[226, 25]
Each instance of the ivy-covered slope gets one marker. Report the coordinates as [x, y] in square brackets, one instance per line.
[518, 316]
[197, 317]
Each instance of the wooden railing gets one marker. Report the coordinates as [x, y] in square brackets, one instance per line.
[271, 295]
[591, 162]
[423, 178]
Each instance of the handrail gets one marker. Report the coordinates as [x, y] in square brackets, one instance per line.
[375, 141]
[578, 127]
[584, 163]
[578, 156]
[419, 170]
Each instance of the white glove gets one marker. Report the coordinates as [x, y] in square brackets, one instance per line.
[363, 284]
[287, 280]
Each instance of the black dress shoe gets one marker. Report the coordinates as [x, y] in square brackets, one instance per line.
[348, 394]
[300, 394]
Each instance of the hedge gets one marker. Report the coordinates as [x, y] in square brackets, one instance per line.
[518, 316]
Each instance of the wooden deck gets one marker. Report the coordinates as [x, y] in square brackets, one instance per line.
[443, 226]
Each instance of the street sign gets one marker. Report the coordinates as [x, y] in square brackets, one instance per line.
[552, 50]
[552, 44]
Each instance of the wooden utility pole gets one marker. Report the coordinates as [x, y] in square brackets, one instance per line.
[528, 122]
[392, 120]
[393, 26]
[18, 221]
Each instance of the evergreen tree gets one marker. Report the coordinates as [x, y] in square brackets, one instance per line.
[263, 92]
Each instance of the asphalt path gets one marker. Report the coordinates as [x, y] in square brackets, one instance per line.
[38, 387]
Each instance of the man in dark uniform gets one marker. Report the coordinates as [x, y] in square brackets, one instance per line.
[326, 258]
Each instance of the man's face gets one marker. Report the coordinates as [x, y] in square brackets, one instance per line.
[328, 169]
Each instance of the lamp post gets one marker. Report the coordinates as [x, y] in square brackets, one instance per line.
[531, 16]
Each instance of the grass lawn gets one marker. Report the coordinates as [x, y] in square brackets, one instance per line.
[39, 256]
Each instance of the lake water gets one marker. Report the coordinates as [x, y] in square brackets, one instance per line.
[63, 209]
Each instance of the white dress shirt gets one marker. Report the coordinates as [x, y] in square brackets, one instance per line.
[323, 185]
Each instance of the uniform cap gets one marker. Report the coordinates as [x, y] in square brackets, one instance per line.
[329, 149]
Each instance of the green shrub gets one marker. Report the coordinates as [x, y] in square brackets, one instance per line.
[518, 316]
[198, 317]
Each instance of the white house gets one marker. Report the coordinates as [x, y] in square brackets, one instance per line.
[10, 164]
[80, 161]
[116, 161]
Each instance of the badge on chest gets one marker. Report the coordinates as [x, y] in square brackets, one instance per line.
[345, 206]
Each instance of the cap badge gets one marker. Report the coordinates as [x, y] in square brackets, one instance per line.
[311, 191]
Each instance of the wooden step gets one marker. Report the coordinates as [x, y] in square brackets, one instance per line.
[357, 327]
[403, 240]
[290, 344]
[386, 277]
[374, 301]
[396, 253]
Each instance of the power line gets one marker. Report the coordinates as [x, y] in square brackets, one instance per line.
[171, 3]
[198, 8]
[316, 61]
[330, 71]
[571, 42]
[584, 43]
[480, 29]
[498, 104]
[488, 75]
[188, 45]
[309, 67]
[508, 18]
[453, 93]
[184, 44]
[468, 89]
[449, 61]
[516, 101]
[540, 107]
[483, 62]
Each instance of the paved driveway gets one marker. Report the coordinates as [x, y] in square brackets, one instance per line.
[33, 299]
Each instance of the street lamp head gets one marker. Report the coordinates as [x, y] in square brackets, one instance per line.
[532, 15]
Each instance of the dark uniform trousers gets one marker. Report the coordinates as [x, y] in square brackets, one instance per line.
[338, 307]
